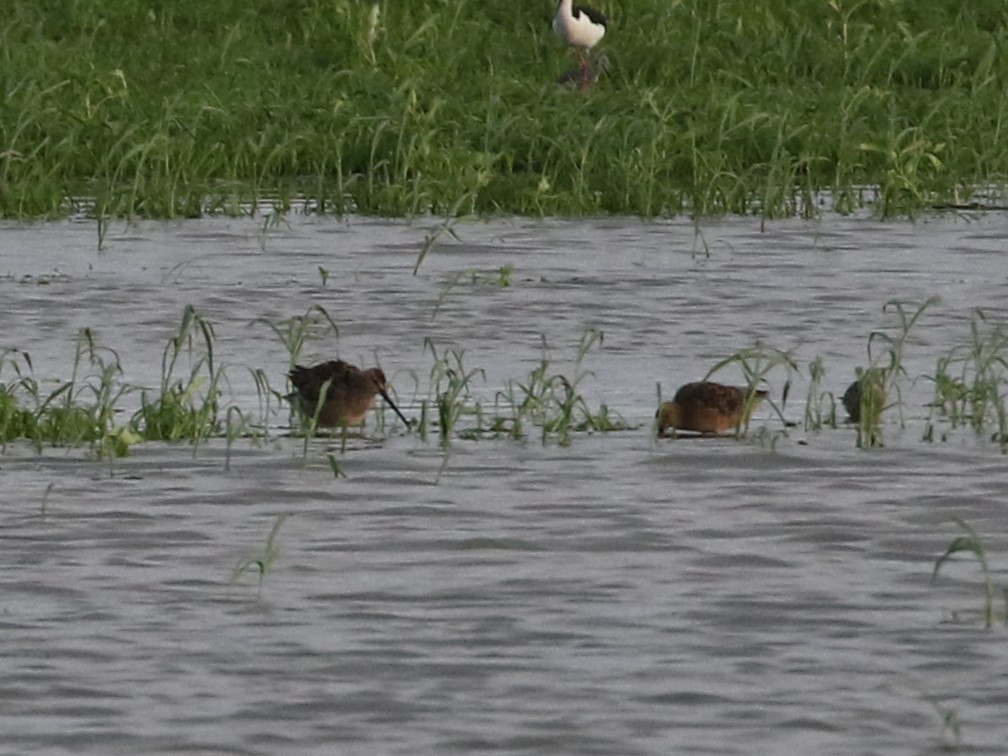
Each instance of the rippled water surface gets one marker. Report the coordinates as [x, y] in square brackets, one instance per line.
[614, 596]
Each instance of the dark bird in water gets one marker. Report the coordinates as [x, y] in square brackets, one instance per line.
[853, 401]
[707, 407]
[349, 392]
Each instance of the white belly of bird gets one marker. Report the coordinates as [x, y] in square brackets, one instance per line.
[578, 31]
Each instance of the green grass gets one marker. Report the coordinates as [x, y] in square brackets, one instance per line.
[189, 404]
[547, 400]
[880, 384]
[96, 409]
[262, 562]
[551, 401]
[175, 109]
[78, 411]
[293, 332]
[820, 405]
[185, 408]
[452, 398]
[86, 409]
[970, 543]
[971, 383]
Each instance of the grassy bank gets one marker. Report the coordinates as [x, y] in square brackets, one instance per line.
[163, 109]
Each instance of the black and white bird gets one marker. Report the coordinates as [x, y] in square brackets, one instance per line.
[580, 27]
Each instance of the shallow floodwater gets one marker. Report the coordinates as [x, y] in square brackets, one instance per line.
[613, 596]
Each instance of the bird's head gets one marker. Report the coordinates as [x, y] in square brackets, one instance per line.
[377, 379]
[667, 417]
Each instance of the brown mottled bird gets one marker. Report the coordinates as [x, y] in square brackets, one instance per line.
[349, 392]
[706, 407]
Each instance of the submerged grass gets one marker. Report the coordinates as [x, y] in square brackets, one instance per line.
[820, 405]
[188, 404]
[970, 543]
[971, 383]
[83, 410]
[173, 110]
[548, 401]
[293, 332]
[79, 411]
[262, 562]
[879, 386]
[450, 383]
[551, 401]
[185, 408]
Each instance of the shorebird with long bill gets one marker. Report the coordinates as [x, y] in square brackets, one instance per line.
[349, 392]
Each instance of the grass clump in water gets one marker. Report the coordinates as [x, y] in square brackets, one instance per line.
[78, 411]
[84, 409]
[261, 563]
[185, 408]
[316, 323]
[970, 544]
[820, 405]
[552, 402]
[16, 421]
[452, 397]
[547, 400]
[971, 382]
[866, 399]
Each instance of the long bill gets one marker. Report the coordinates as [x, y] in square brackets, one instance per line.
[392, 404]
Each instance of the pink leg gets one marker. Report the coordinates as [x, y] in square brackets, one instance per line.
[584, 70]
